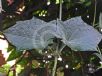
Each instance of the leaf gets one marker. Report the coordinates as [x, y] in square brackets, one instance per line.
[24, 62]
[10, 48]
[78, 35]
[2, 59]
[81, 36]
[14, 54]
[21, 34]
[35, 63]
[37, 34]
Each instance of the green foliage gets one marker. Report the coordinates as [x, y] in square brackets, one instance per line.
[4, 68]
[14, 54]
[10, 48]
[24, 62]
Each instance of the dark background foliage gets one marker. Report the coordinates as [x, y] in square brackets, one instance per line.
[40, 9]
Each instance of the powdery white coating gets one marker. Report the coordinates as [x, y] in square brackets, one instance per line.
[37, 34]
[81, 36]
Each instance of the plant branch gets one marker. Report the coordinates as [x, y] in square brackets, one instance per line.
[99, 50]
[56, 57]
[55, 65]
[55, 61]
[60, 10]
[0, 6]
[63, 46]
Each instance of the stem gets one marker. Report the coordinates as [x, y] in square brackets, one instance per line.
[63, 46]
[56, 57]
[14, 71]
[99, 50]
[100, 21]
[94, 14]
[0, 6]
[55, 61]
[82, 64]
[60, 10]
[55, 65]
